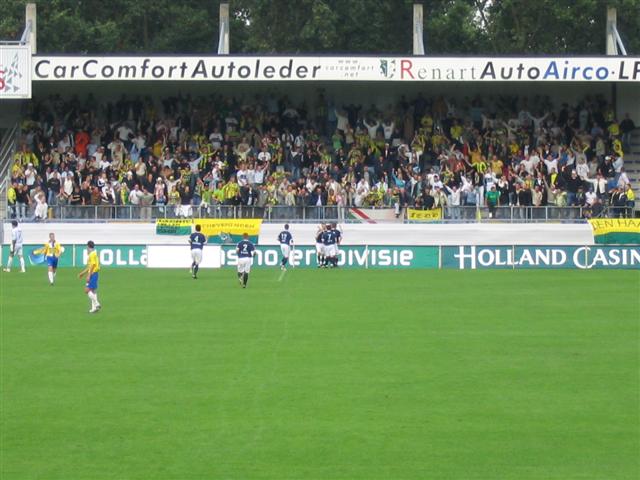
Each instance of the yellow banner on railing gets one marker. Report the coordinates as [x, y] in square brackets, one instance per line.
[616, 230]
[424, 215]
[215, 229]
[231, 230]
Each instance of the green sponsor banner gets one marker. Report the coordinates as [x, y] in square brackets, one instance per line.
[349, 257]
[76, 256]
[114, 255]
[34, 259]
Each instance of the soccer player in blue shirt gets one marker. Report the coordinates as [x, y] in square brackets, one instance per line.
[245, 250]
[326, 238]
[286, 243]
[197, 241]
[336, 238]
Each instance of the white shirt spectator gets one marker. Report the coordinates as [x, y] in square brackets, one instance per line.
[135, 195]
[104, 164]
[618, 163]
[388, 127]
[582, 169]
[30, 175]
[216, 139]
[343, 121]
[241, 176]
[67, 186]
[140, 141]
[551, 163]
[124, 132]
[372, 128]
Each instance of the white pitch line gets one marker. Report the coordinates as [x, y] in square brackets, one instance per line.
[282, 272]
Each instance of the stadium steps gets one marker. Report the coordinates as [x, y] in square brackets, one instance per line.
[632, 161]
[8, 138]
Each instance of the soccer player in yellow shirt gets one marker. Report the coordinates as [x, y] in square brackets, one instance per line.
[92, 272]
[52, 251]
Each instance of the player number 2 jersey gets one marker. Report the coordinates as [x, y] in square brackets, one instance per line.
[245, 249]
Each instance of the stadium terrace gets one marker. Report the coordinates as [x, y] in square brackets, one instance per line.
[165, 69]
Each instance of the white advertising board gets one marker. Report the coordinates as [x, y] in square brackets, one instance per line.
[330, 68]
[174, 256]
[304, 234]
[15, 71]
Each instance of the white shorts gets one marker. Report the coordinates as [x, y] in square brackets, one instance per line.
[331, 250]
[320, 248]
[196, 255]
[285, 249]
[244, 264]
[18, 251]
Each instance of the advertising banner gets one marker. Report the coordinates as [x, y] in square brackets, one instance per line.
[178, 256]
[174, 226]
[217, 231]
[608, 231]
[35, 259]
[518, 257]
[15, 71]
[350, 257]
[424, 215]
[114, 255]
[374, 215]
[340, 68]
[76, 256]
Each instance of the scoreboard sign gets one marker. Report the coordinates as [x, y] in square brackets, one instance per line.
[15, 71]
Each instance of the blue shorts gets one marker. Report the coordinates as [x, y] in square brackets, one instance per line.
[92, 284]
[52, 262]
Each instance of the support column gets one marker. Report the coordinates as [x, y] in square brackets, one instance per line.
[418, 29]
[223, 40]
[30, 17]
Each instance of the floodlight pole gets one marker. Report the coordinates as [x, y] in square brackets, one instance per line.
[418, 29]
[223, 40]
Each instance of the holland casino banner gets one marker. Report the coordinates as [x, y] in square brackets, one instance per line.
[371, 68]
[517, 257]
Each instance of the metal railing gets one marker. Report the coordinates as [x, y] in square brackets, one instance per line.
[7, 148]
[134, 213]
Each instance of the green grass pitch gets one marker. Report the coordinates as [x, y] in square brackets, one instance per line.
[345, 374]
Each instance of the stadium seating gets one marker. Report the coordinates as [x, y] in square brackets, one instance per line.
[221, 156]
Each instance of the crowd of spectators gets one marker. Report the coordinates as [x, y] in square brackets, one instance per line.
[193, 154]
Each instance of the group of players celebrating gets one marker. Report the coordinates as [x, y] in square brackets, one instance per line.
[328, 239]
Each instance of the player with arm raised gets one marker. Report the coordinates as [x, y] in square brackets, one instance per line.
[16, 247]
[197, 241]
[52, 251]
[245, 250]
[92, 272]
[286, 244]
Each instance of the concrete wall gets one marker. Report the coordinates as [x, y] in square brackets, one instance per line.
[304, 234]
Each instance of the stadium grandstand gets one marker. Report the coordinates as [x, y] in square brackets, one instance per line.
[312, 150]
[275, 247]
